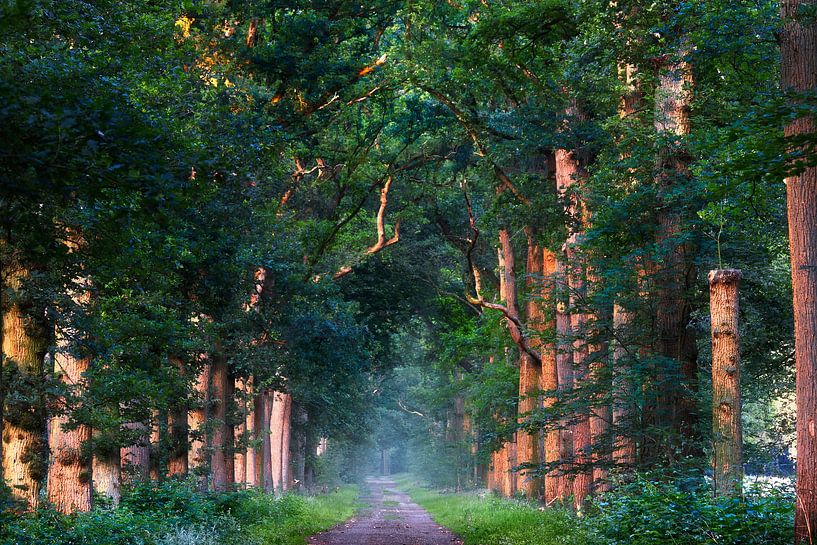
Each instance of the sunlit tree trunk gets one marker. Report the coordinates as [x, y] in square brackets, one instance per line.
[549, 381]
[286, 435]
[569, 173]
[69, 473]
[158, 442]
[530, 372]
[221, 457]
[799, 65]
[564, 370]
[624, 410]
[727, 434]
[276, 435]
[197, 418]
[107, 467]
[249, 428]
[22, 415]
[508, 294]
[240, 431]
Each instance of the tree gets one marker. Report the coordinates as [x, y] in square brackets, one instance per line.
[727, 436]
[799, 68]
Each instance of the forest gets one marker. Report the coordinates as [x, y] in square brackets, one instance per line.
[534, 271]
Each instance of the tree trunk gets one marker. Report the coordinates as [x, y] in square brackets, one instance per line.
[69, 474]
[249, 429]
[197, 418]
[276, 433]
[549, 382]
[727, 435]
[107, 472]
[300, 450]
[799, 67]
[564, 369]
[508, 294]
[264, 432]
[177, 464]
[569, 173]
[135, 459]
[158, 443]
[676, 412]
[529, 374]
[240, 431]
[286, 434]
[624, 409]
[583, 472]
[221, 457]
[22, 415]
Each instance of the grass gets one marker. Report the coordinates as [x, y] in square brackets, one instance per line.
[482, 519]
[645, 511]
[291, 519]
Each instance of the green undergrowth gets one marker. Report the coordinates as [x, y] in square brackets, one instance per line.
[480, 518]
[174, 513]
[643, 512]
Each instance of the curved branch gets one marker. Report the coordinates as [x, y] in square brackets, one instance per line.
[382, 242]
[515, 326]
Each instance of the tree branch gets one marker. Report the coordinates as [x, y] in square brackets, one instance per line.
[515, 326]
[382, 242]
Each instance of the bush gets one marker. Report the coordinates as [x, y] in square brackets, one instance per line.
[684, 512]
[174, 513]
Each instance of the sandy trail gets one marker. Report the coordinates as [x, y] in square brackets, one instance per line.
[389, 518]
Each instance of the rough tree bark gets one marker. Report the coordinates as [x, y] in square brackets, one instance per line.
[286, 435]
[107, 467]
[569, 173]
[69, 473]
[549, 383]
[676, 412]
[135, 459]
[528, 451]
[564, 370]
[23, 415]
[727, 435]
[799, 74]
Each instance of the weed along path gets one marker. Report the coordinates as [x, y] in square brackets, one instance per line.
[389, 518]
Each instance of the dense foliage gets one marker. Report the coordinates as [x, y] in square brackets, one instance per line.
[438, 232]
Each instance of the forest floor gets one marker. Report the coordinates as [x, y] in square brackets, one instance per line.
[389, 518]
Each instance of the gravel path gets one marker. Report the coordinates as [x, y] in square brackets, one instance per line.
[389, 518]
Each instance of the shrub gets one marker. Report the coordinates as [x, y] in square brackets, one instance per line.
[684, 512]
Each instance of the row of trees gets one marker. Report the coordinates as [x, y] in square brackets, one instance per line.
[212, 204]
[171, 303]
[619, 152]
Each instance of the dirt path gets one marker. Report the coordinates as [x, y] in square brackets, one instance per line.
[390, 518]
